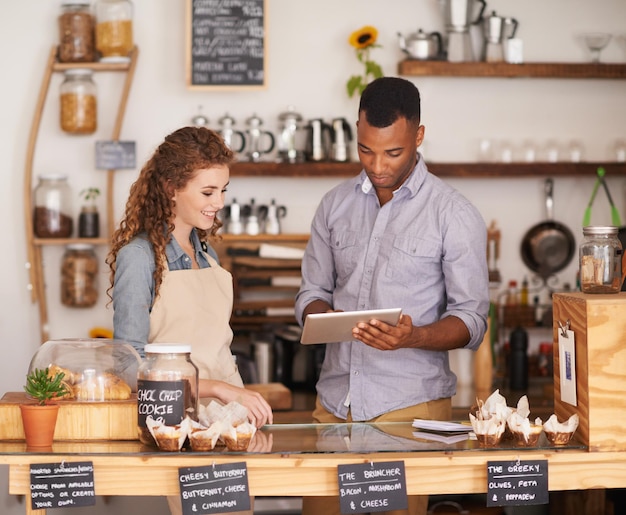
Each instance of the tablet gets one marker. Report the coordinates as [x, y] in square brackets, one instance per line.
[337, 326]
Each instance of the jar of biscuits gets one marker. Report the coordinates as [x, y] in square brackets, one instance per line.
[79, 276]
[167, 387]
[53, 210]
[76, 32]
[79, 108]
[114, 29]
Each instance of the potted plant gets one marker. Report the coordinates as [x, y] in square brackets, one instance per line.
[39, 417]
[89, 219]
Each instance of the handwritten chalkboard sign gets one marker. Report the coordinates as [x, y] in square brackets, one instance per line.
[58, 485]
[162, 400]
[214, 489]
[225, 44]
[370, 487]
[516, 483]
[115, 155]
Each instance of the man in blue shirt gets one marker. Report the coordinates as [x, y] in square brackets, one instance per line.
[394, 236]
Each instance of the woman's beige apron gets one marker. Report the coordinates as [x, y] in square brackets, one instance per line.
[194, 307]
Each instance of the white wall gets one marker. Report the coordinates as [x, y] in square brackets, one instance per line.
[309, 61]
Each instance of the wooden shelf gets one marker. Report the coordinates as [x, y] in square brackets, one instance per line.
[70, 241]
[413, 67]
[469, 170]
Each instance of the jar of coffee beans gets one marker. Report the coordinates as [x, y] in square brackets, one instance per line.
[76, 32]
[79, 109]
[79, 276]
[53, 207]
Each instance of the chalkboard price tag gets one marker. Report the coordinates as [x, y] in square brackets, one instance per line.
[115, 155]
[162, 400]
[370, 487]
[225, 44]
[516, 483]
[214, 489]
[61, 485]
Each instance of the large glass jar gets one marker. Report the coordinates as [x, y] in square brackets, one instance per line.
[600, 260]
[114, 29]
[79, 108]
[53, 207]
[76, 32]
[167, 387]
[79, 276]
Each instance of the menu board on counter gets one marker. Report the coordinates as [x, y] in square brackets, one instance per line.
[225, 44]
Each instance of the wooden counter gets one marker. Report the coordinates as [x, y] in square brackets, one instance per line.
[128, 468]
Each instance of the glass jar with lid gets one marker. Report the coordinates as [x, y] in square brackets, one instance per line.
[79, 108]
[79, 276]
[167, 387]
[53, 207]
[76, 32]
[114, 29]
[600, 260]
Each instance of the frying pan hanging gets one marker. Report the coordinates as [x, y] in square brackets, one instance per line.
[548, 247]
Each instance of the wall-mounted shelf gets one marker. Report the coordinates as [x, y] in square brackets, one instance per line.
[413, 67]
[469, 170]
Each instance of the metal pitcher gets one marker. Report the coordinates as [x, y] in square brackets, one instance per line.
[255, 134]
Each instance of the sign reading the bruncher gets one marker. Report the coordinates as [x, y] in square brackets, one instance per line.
[371, 487]
[58, 485]
[515, 483]
[225, 43]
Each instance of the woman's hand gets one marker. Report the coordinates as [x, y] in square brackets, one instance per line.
[259, 411]
[261, 442]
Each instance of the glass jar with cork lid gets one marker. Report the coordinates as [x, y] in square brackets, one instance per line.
[79, 276]
[79, 108]
[600, 260]
[76, 32]
[114, 29]
[52, 217]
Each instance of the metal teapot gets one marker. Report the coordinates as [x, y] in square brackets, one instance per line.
[421, 45]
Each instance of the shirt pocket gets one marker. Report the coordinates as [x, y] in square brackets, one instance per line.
[343, 245]
[412, 257]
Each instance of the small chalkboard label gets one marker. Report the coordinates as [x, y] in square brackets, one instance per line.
[214, 489]
[164, 401]
[61, 485]
[371, 487]
[115, 155]
[516, 483]
[225, 43]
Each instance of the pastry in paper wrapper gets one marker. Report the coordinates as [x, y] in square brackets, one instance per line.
[168, 438]
[495, 406]
[560, 433]
[488, 431]
[525, 432]
[202, 438]
[238, 438]
[232, 413]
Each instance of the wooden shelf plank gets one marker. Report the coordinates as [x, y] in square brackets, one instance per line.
[414, 67]
[475, 170]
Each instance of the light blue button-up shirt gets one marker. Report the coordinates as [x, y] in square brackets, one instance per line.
[423, 251]
[133, 289]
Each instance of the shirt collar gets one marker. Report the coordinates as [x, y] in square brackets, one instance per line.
[174, 252]
[412, 183]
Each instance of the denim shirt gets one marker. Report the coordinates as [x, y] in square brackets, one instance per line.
[133, 288]
[423, 251]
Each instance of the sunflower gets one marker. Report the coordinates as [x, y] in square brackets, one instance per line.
[363, 40]
[364, 37]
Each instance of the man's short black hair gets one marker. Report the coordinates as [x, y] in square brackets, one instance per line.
[386, 99]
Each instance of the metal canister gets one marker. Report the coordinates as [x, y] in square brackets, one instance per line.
[600, 260]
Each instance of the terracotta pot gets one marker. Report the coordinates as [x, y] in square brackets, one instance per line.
[39, 424]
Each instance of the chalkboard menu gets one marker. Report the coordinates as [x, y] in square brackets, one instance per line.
[58, 485]
[225, 44]
[516, 483]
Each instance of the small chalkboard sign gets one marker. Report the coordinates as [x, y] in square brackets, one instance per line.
[162, 400]
[59, 485]
[225, 44]
[370, 487]
[115, 155]
[516, 483]
[214, 489]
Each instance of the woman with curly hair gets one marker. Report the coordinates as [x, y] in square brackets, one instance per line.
[166, 283]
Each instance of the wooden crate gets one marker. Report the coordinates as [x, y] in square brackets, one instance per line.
[109, 420]
[599, 325]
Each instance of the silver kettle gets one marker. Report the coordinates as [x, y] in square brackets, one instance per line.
[318, 140]
[227, 131]
[421, 45]
[341, 135]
